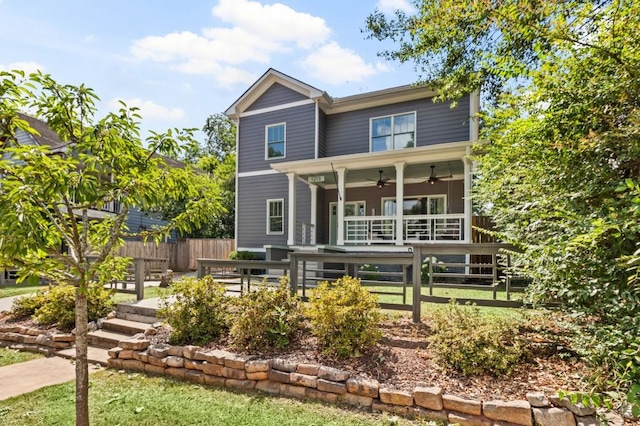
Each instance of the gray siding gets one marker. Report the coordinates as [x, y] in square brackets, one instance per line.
[136, 220]
[300, 139]
[322, 134]
[252, 208]
[348, 133]
[277, 94]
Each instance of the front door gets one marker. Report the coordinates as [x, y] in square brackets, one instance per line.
[350, 209]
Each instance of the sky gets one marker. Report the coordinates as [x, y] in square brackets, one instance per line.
[181, 61]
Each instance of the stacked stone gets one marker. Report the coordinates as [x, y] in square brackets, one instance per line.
[303, 380]
[34, 340]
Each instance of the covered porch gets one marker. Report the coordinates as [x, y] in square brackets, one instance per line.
[392, 198]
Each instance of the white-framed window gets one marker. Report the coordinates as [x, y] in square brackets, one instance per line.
[393, 132]
[416, 205]
[275, 216]
[275, 141]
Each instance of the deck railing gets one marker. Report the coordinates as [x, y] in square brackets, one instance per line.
[416, 228]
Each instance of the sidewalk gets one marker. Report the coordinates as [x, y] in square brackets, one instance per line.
[6, 302]
[24, 377]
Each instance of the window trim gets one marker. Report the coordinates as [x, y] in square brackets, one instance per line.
[409, 197]
[415, 129]
[266, 141]
[269, 201]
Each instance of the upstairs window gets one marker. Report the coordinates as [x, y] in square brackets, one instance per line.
[276, 141]
[393, 132]
[275, 216]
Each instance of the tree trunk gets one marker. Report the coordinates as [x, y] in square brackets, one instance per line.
[82, 363]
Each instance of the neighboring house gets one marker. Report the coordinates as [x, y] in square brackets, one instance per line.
[318, 171]
[136, 220]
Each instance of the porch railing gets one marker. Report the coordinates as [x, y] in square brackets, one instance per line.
[382, 229]
[305, 233]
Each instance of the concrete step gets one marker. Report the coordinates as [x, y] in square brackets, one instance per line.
[106, 339]
[95, 354]
[136, 318]
[124, 326]
[133, 308]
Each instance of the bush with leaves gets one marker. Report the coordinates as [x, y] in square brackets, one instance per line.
[56, 305]
[466, 341]
[265, 318]
[344, 317]
[197, 310]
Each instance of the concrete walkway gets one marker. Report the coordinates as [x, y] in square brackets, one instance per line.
[6, 302]
[24, 377]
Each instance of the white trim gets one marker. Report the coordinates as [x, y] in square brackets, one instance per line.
[266, 141]
[415, 130]
[269, 201]
[432, 153]
[379, 98]
[317, 131]
[237, 178]
[256, 172]
[276, 108]
[292, 204]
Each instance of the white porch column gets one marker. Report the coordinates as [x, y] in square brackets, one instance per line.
[468, 206]
[291, 239]
[314, 213]
[399, 203]
[341, 193]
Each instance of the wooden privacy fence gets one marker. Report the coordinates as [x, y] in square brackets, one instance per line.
[182, 254]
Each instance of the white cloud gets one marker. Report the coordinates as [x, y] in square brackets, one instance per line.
[256, 32]
[390, 6]
[335, 65]
[149, 109]
[276, 22]
[27, 67]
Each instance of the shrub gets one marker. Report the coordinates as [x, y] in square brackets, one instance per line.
[344, 317]
[197, 310]
[56, 305]
[266, 317]
[466, 341]
[243, 255]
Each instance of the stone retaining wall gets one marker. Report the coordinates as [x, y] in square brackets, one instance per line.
[299, 380]
[34, 339]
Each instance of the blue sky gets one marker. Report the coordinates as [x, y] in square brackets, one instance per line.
[180, 61]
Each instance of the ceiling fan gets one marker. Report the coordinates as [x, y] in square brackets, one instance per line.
[433, 178]
[382, 181]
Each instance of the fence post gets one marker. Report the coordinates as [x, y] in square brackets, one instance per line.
[293, 273]
[139, 276]
[417, 279]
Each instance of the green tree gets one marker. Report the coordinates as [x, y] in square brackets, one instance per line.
[47, 195]
[561, 173]
[216, 157]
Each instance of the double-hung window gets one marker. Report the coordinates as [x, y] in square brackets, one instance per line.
[275, 216]
[393, 132]
[276, 141]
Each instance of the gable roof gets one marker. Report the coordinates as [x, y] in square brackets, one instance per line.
[328, 104]
[269, 78]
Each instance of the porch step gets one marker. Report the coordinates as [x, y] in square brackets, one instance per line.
[136, 313]
[95, 355]
[124, 326]
[106, 339]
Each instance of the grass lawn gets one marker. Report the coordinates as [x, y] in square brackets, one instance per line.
[25, 287]
[125, 399]
[11, 356]
[149, 293]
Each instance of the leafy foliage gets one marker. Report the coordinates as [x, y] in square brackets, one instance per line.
[56, 305]
[560, 175]
[344, 317]
[466, 341]
[197, 310]
[267, 317]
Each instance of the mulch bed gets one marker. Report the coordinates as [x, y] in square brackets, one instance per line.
[402, 361]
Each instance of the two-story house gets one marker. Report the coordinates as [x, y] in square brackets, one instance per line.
[373, 171]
